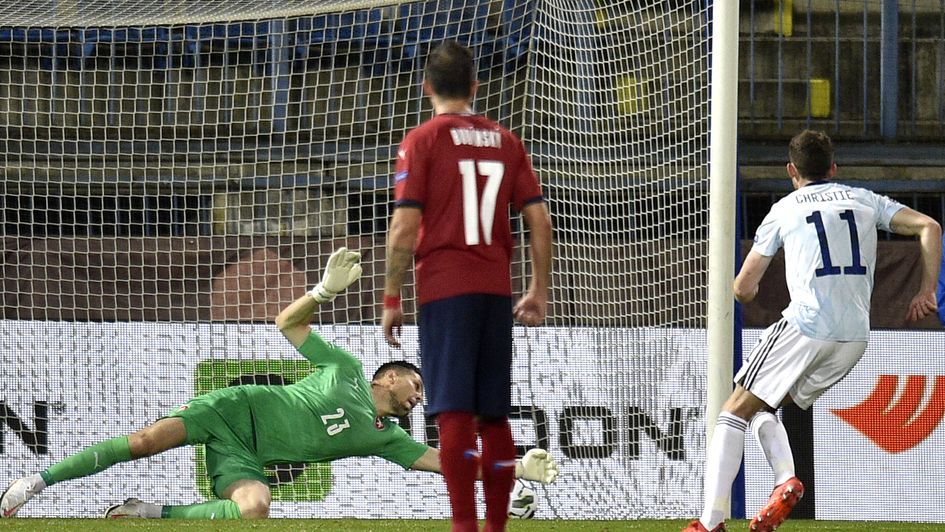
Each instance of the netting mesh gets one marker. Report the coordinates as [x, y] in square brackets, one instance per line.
[174, 175]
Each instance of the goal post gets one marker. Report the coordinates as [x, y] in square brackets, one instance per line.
[177, 172]
[722, 207]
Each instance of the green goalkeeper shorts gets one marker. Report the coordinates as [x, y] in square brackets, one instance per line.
[221, 420]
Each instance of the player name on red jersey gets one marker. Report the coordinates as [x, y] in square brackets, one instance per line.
[480, 138]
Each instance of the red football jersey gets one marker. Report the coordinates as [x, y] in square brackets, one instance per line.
[463, 171]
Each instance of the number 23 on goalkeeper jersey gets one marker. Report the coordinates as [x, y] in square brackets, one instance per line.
[327, 415]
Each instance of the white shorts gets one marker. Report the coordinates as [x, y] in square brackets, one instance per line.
[785, 361]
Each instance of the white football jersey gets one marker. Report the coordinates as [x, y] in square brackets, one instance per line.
[828, 232]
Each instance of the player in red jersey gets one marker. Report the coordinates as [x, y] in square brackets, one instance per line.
[456, 177]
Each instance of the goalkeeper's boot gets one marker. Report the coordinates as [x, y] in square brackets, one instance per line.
[782, 501]
[18, 493]
[133, 507]
[697, 526]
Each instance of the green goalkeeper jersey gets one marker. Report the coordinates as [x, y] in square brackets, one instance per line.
[325, 416]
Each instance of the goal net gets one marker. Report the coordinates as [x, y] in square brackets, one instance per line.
[176, 172]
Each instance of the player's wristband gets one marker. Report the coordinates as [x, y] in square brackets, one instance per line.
[391, 302]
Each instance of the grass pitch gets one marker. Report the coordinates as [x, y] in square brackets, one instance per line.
[434, 525]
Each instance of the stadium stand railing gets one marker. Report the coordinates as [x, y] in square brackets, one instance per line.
[785, 57]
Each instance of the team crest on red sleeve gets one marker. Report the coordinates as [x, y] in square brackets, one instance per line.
[378, 423]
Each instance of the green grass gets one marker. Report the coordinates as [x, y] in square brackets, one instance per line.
[433, 525]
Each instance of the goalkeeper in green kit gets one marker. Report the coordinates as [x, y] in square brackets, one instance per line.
[332, 413]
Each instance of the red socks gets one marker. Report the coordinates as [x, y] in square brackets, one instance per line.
[459, 460]
[498, 471]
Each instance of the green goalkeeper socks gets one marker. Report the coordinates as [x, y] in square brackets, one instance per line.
[101, 456]
[222, 509]
[98, 457]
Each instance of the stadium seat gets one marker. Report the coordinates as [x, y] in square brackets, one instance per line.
[422, 24]
[435, 20]
[225, 37]
[156, 37]
[353, 27]
[55, 43]
[350, 34]
[517, 23]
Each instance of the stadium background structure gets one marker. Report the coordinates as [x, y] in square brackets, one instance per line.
[180, 174]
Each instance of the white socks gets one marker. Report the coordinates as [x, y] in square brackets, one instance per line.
[773, 440]
[723, 458]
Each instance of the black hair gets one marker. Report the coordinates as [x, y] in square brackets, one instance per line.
[400, 366]
[451, 70]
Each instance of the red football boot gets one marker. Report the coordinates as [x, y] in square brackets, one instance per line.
[779, 506]
[697, 526]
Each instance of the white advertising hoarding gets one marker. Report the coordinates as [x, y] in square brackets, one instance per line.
[607, 396]
[623, 412]
[883, 460]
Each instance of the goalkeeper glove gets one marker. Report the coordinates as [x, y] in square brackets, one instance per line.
[343, 268]
[537, 465]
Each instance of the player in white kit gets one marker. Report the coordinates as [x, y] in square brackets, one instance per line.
[828, 232]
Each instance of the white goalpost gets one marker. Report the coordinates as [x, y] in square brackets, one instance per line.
[176, 172]
[722, 205]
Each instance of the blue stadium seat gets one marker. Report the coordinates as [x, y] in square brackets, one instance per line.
[232, 34]
[507, 45]
[354, 27]
[352, 32]
[436, 20]
[224, 37]
[55, 42]
[157, 37]
[429, 22]
[416, 25]
[517, 21]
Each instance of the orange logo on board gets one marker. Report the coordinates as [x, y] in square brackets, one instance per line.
[897, 425]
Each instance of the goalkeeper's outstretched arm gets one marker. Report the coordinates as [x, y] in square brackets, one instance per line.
[537, 465]
[342, 269]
